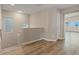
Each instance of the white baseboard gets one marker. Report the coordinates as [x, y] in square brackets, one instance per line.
[61, 38]
[30, 41]
[48, 39]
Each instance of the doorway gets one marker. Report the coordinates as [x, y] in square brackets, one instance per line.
[71, 32]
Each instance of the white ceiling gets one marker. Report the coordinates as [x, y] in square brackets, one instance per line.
[31, 8]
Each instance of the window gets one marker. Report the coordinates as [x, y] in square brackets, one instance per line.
[72, 24]
[8, 24]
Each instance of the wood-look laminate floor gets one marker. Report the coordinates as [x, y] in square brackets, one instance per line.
[69, 46]
[43, 47]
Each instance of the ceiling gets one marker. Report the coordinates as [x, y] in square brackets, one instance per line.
[31, 8]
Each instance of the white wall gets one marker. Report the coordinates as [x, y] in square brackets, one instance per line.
[47, 19]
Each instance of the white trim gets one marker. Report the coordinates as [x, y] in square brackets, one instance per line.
[49, 39]
[30, 42]
[61, 38]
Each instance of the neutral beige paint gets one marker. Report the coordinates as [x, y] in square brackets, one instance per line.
[19, 35]
[31, 34]
[47, 19]
[14, 37]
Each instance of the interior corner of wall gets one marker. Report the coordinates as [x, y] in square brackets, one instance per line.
[61, 38]
[48, 39]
